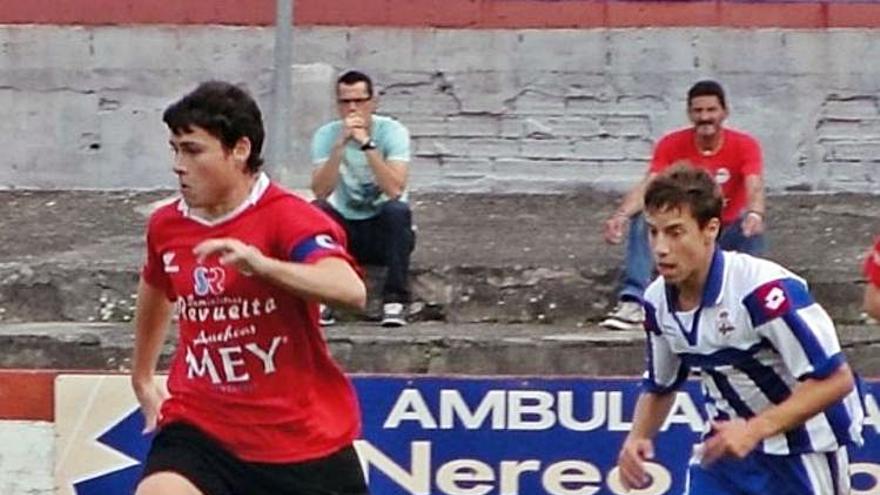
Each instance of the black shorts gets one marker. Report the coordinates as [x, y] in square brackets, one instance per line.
[186, 450]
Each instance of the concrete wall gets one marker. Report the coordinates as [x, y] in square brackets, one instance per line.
[489, 110]
[26, 457]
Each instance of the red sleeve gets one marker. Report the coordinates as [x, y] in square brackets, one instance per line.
[153, 271]
[308, 235]
[753, 162]
[872, 265]
[663, 153]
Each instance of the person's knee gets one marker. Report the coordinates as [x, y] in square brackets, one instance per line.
[322, 204]
[166, 482]
[396, 211]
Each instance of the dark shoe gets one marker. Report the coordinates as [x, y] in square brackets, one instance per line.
[393, 315]
[326, 317]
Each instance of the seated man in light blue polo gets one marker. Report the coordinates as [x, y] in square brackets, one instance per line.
[361, 169]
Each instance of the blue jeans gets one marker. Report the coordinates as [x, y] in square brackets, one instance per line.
[386, 239]
[638, 267]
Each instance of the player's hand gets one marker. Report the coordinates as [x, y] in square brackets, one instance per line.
[614, 227]
[631, 462]
[150, 396]
[355, 126]
[732, 438]
[245, 258]
[752, 224]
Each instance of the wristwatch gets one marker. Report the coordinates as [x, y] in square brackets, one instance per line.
[369, 145]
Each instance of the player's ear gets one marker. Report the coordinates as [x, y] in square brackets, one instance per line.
[712, 228]
[242, 150]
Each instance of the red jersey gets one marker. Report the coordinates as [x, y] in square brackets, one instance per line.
[739, 156]
[251, 367]
[872, 265]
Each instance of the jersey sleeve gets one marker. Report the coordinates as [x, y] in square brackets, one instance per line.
[153, 271]
[872, 265]
[398, 144]
[783, 311]
[663, 154]
[752, 158]
[664, 370]
[308, 235]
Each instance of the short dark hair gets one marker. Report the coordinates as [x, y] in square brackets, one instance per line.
[354, 77]
[685, 185]
[224, 111]
[707, 88]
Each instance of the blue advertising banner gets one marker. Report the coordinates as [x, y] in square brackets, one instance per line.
[503, 436]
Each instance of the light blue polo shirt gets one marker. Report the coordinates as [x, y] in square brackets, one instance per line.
[357, 196]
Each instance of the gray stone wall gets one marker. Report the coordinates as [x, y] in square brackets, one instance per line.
[489, 110]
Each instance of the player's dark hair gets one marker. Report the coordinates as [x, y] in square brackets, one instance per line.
[224, 111]
[707, 88]
[685, 185]
[354, 77]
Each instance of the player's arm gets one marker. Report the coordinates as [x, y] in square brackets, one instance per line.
[809, 398]
[755, 194]
[390, 170]
[152, 318]
[650, 414]
[391, 176]
[753, 223]
[632, 203]
[326, 175]
[783, 312]
[331, 279]
[665, 374]
[753, 169]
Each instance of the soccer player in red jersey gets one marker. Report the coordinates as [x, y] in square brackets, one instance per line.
[872, 289]
[732, 157]
[254, 404]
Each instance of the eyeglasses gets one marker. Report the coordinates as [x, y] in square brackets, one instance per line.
[356, 101]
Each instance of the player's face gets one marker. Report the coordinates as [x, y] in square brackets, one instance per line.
[355, 98]
[207, 171]
[682, 250]
[707, 115]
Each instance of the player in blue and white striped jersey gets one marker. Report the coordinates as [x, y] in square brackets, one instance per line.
[782, 402]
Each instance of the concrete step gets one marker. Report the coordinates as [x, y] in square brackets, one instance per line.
[431, 348]
[74, 255]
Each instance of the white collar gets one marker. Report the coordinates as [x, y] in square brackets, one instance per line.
[259, 188]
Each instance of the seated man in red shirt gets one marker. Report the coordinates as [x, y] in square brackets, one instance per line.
[732, 157]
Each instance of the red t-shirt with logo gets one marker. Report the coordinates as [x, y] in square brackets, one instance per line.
[251, 367]
[738, 157]
[872, 265]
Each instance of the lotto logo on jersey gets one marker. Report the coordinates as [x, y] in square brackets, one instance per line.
[208, 280]
[773, 299]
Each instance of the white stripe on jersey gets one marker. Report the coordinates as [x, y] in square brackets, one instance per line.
[828, 471]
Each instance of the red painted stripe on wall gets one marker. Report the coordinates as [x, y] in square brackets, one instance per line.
[452, 13]
[27, 395]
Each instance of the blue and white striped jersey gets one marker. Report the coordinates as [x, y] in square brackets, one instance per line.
[756, 333]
